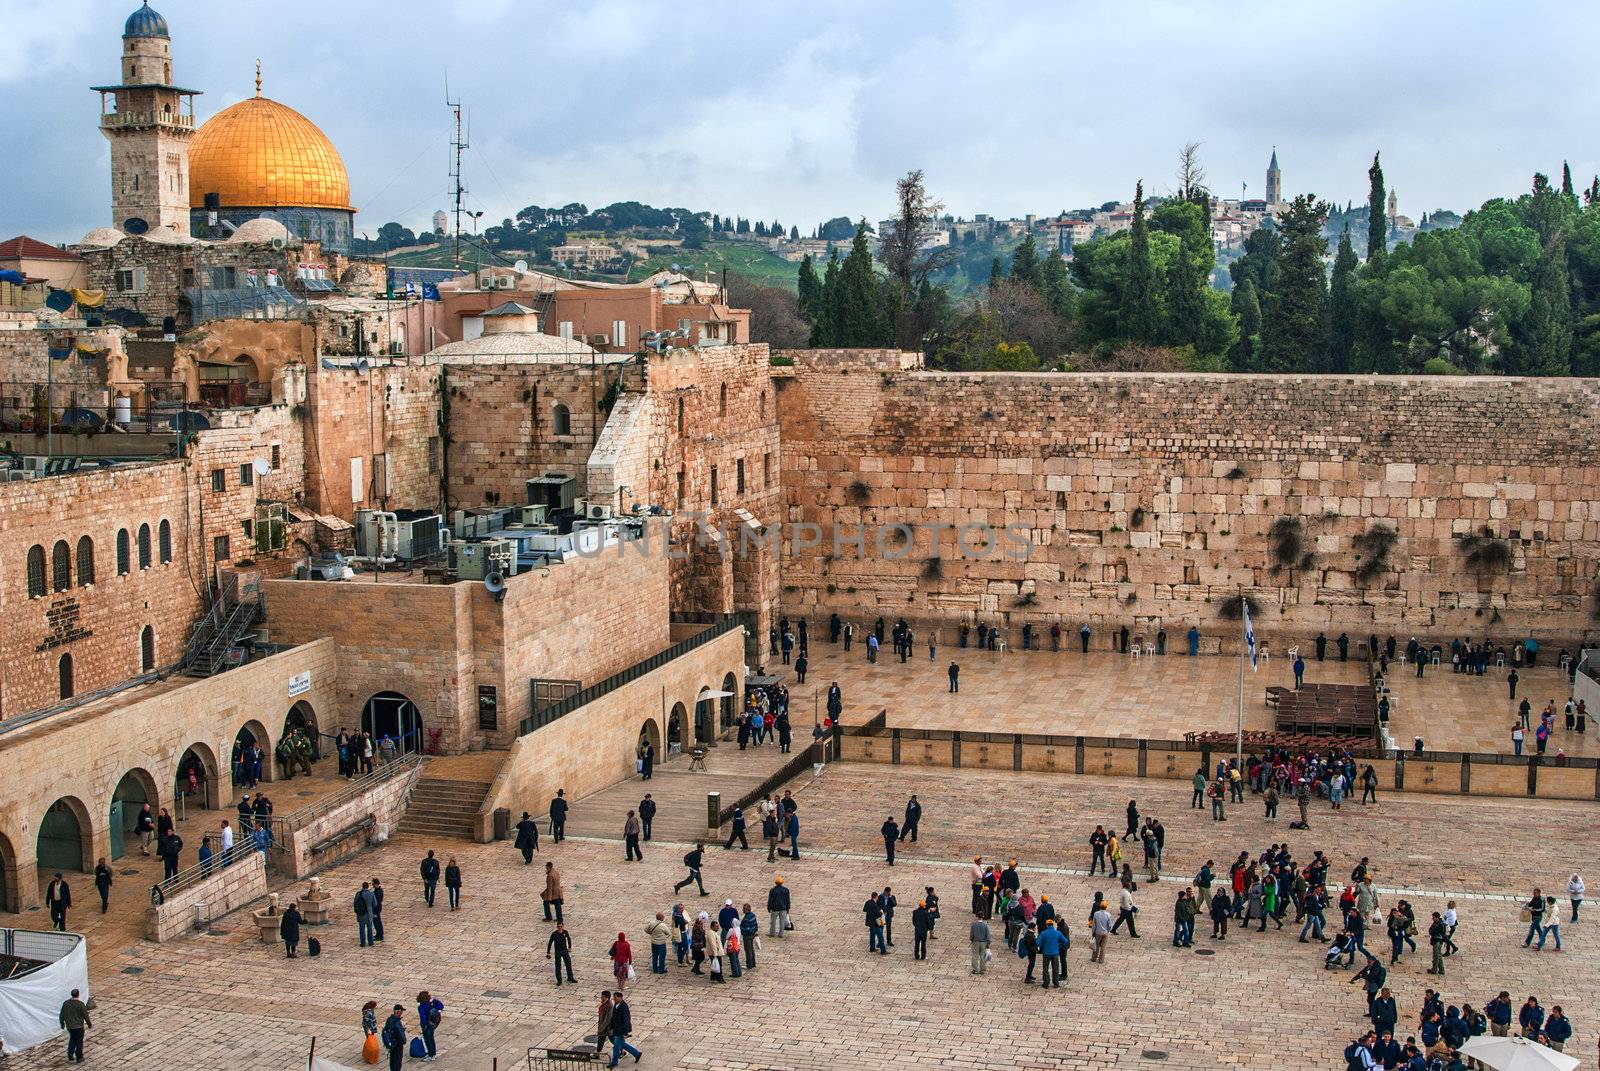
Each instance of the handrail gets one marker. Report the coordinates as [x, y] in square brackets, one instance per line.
[285, 824]
[194, 875]
[821, 750]
[540, 718]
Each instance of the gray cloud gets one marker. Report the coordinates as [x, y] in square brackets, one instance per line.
[805, 111]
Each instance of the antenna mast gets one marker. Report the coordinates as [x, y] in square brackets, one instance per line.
[457, 143]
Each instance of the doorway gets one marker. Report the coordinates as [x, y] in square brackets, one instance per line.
[64, 836]
[136, 789]
[394, 715]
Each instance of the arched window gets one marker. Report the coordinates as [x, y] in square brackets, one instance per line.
[144, 546]
[560, 420]
[60, 566]
[147, 649]
[164, 541]
[122, 552]
[763, 405]
[722, 401]
[680, 414]
[36, 586]
[64, 676]
[85, 561]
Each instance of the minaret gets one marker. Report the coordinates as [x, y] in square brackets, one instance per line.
[1274, 179]
[1394, 205]
[149, 127]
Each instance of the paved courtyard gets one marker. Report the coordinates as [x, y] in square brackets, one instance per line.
[817, 1001]
[1069, 693]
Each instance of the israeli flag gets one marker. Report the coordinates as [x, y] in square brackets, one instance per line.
[1250, 637]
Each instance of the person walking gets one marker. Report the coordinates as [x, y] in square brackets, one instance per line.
[692, 859]
[647, 760]
[430, 877]
[553, 895]
[736, 831]
[558, 949]
[630, 835]
[908, 828]
[289, 930]
[453, 884]
[778, 902]
[74, 1019]
[621, 953]
[394, 1037]
[647, 814]
[978, 936]
[527, 841]
[1197, 800]
[621, 1027]
[891, 836]
[1438, 937]
[1097, 848]
[1575, 896]
[430, 1010]
[1126, 909]
[377, 911]
[1099, 930]
[102, 883]
[955, 677]
[558, 816]
[365, 907]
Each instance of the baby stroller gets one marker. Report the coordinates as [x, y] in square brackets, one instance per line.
[1343, 946]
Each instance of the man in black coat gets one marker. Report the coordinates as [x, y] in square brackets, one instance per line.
[921, 926]
[289, 930]
[168, 848]
[692, 860]
[647, 814]
[891, 834]
[430, 877]
[558, 816]
[621, 1027]
[527, 841]
[59, 897]
[908, 828]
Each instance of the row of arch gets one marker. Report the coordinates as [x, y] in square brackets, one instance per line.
[710, 717]
[55, 573]
[71, 834]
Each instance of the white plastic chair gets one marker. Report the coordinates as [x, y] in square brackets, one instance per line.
[1133, 649]
[1294, 653]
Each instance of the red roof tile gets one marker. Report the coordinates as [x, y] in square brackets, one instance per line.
[24, 248]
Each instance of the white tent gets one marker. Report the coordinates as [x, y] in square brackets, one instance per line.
[30, 1006]
[1516, 1054]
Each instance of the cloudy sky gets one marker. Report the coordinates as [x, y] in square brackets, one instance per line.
[804, 111]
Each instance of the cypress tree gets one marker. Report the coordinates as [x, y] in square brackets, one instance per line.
[1137, 319]
[810, 288]
[1054, 285]
[1025, 262]
[825, 313]
[996, 272]
[1546, 348]
[1293, 322]
[1377, 215]
[1185, 301]
[860, 304]
[1342, 306]
[1566, 179]
[1247, 307]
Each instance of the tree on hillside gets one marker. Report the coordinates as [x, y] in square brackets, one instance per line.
[1055, 286]
[996, 272]
[907, 249]
[774, 313]
[836, 229]
[1185, 297]
[1192, 181]
[1025, 262]
[810, 288]
[861, 321]
[825, 310]
[1137, 319]
[1247, 308]
[1293, 319]
[1566, 180]
[1545, 345]
[1342, 306]
[794, 233]
[1377, 214]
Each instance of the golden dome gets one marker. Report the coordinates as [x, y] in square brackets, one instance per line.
[262, 154]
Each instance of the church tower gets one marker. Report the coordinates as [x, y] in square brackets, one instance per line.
[149, 125]
[1274, 180]
[1394, 205]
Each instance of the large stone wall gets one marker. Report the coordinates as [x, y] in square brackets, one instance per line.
[373, 439]
[306, 850]
[225, 891]
[1148, 500]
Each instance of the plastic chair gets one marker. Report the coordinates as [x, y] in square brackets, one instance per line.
[1133, 649]
[1294, 653]
[1500, 661]
[1436, 656]
[1000, 645]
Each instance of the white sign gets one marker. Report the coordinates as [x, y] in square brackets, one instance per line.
[299, 684]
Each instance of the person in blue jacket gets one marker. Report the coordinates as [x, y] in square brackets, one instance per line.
[1053, 945]
[429, 1009]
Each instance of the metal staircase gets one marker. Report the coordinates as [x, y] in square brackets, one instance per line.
[218, 632]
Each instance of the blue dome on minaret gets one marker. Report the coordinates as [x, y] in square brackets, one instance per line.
[145, 22]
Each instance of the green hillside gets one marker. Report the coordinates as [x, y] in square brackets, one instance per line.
[748, 259]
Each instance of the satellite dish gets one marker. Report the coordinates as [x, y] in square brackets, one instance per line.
[361, 366]
[78, 417]
[520, 266]
[58, 301]
[261, 466]
[495, 585]
[135, 225]
[188, 420]
[329, 365]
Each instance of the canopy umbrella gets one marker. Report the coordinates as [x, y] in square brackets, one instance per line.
[710, 694]
[1516, 1054]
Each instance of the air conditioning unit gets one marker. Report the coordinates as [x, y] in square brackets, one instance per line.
[417, 534]
[474, 561]
[599, 340]
[397, 349]
[531, 515]
[376, 533]
[479, 521]
[591, 510]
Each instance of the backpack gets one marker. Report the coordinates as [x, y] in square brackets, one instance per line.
[313, 947]
[418, 1049]
[1352, 1059]
[433, 1016]
[688, 860]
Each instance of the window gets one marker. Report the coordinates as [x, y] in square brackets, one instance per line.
[219, 479]
[763, 405]
[565, 330]
[619, 334]
[130, 280]
[722, 400]
[488, 708]
[64, 676]
[144, 546]
[275, 455]
[165, 541]
[247, 475]
[766, 470]
[36, 586]
[60, 566]
[433, 456]
[85, 561]
[249, 527]
[219, 548]
[713, 485]
[680, 414]
[188, 278]
[738, 477]
[147, 649]
[122, 552]
[682, 482]
[560, 420]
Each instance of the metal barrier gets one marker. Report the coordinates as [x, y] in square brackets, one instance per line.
[199, 872]
[39, 947]
[561, 1059]
[284, 824]
[550, 713]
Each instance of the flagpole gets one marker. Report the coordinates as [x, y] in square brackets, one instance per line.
[1238, 739]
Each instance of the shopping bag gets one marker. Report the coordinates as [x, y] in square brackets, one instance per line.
[632, 975]
[638, 766]
[369, 1051]
[988, 955]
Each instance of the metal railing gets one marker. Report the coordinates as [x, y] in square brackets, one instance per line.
[825, 749]
[540, 718]
[191, 876]
[284, 824]
[38, 947]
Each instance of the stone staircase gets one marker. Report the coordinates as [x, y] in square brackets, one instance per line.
[443, 807]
